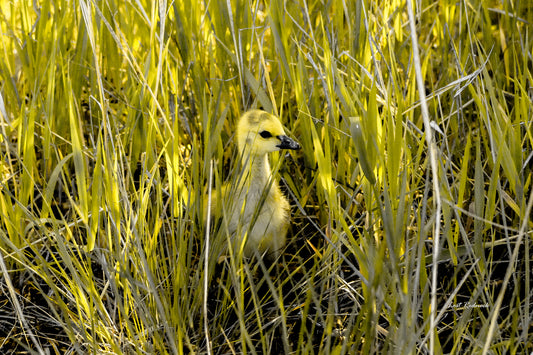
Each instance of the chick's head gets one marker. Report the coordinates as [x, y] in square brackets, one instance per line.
[259, 133]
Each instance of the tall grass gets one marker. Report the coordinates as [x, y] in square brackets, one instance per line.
[117, 118]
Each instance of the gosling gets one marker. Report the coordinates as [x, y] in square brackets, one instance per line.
[257, 213]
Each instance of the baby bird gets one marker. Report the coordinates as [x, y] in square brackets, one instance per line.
[257, 212]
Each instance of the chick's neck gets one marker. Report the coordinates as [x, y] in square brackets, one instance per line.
[256, 169]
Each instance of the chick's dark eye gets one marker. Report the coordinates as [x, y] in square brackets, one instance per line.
[265, 134]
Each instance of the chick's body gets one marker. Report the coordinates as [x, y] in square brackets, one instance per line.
[255, 207]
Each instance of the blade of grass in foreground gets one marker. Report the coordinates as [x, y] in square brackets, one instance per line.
[435, 177]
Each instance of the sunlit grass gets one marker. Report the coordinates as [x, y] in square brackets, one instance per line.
[115, 117]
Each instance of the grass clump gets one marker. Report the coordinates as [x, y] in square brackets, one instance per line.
[115, 118]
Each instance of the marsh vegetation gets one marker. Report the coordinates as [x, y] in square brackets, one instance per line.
[411, 197]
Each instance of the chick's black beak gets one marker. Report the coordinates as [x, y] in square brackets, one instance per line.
[287, 143]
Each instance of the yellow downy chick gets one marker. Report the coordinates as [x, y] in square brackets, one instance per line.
[256, 208]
